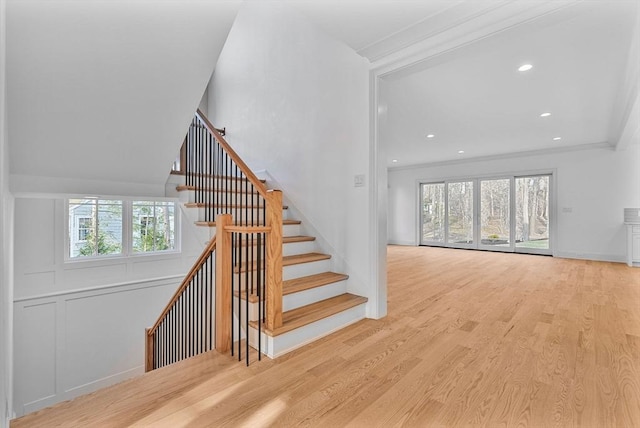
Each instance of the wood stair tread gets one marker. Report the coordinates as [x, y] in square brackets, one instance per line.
[285, 240]
[304, 258]
[301, 284]
[312, 281]
[290, 260]
[305, 315]
[213, 223]
[204, 205]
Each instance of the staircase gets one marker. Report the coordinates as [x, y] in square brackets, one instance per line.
[264, 281]
[315, 299]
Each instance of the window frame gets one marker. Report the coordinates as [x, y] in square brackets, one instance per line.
[476, 179]
[176, 226]
[127, 230]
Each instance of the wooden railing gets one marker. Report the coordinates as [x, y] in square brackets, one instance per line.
[244, 212]
[185, 326]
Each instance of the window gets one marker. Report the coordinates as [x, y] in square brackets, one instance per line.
[153, 226]
[84, 227]
[98, 227]
[460, 215]
[102, 227]
[433, 213]
[502, 214]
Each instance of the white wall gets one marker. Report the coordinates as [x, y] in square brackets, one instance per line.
[79, 325]
[295, 103]
[595, 184]
[6, 242]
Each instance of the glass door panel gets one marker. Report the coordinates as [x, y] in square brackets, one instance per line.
[460, 214]
[432, 214]
[495, 214]
[532, 214]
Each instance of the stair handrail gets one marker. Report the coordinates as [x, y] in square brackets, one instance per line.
[210, 248]
[209, 159]
[259, 185]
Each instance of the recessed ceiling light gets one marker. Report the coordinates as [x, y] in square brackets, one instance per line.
[395, 161]
[557, 138]
[460, 152]
[430, 136]
[525, 67]
[546, 114]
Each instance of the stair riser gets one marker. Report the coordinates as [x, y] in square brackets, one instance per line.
[306, 269]
[252, 215]
[288, 249]
[291, 272]
[190, 196]
[296, 300]
[287, 230]
[313, 295]
[276, 346]
[295, 248]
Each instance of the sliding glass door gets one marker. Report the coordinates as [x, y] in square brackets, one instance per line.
[532, 214]
[501, 214]
[495, 214]
[433, 217]
[460, 214]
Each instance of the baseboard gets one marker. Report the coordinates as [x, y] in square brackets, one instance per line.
[592, 256]
[404, 243]
[103, 382]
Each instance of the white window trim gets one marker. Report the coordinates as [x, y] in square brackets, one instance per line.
[127, 231]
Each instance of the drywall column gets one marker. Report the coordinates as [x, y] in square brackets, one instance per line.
[6, 243]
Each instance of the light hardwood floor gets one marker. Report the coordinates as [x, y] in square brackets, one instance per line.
[471, 339]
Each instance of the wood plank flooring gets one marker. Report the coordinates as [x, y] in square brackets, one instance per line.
[471, 339]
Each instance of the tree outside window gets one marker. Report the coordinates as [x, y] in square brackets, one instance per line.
[98, 227]
[153, 226]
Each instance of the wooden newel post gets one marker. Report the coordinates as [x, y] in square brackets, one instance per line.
[223, 283]
[148, 351]
[274, 260]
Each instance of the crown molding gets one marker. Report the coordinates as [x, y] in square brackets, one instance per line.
[541, 152]
[479, 24]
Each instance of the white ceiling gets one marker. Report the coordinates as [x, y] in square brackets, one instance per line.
[77, 67]
[104, 90]
[372, 26]
[473, 98]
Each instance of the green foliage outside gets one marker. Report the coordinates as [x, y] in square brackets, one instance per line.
[104, 245]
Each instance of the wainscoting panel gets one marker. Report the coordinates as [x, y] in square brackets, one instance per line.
[71, 343]
[35, 353]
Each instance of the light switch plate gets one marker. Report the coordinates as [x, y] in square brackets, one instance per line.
[358, 180]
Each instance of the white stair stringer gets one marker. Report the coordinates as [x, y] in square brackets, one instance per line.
[279, 345]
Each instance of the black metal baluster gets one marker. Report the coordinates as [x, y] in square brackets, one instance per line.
[234, 261]
[259, 292]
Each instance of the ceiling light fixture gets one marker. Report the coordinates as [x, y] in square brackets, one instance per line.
[525, 67]
[547, 114]
[395, 161]
[460, 152]
[430, 136]
[557, 138]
